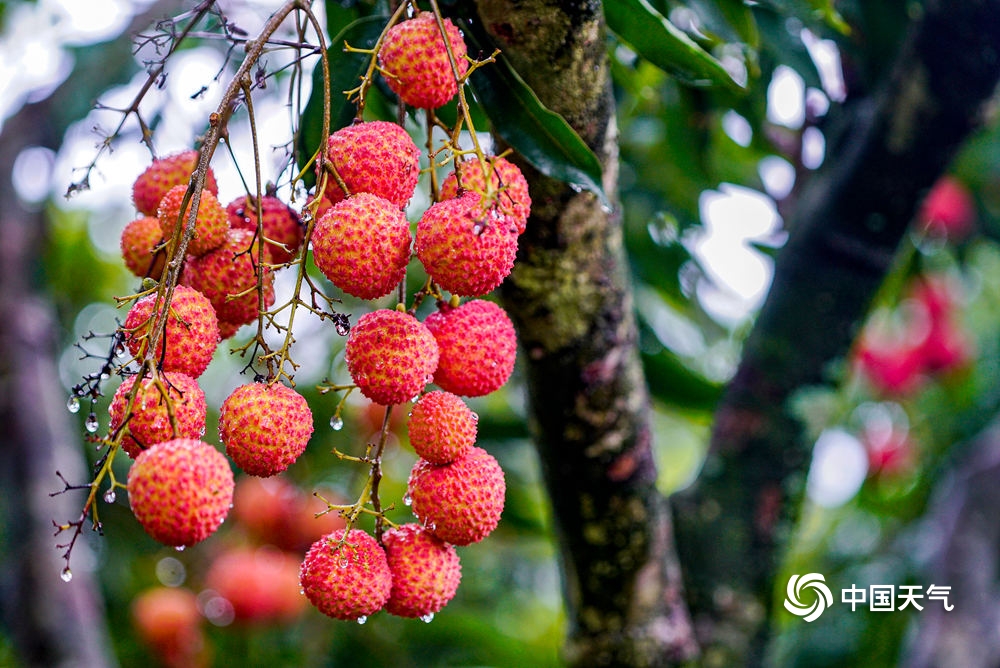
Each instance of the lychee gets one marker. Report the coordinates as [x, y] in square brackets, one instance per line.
[478, 347]
[191, 336]
[211, 223]
[265, 427]
[283, 229]
[162, 175]
[180, 491]
[346, 576]
[362, 244]
[150, 418]
[425, 571]
[276, 512]
[139, 242]
[261, 584]
[375, 157]
[391, 356]
[228, 277]
[509, 186]
[460, 502]
[167, 619]
[949, 210]
[415, 62]
[441, 427]
[466, 246]
[228, 329]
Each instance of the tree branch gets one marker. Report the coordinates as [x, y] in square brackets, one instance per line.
[884, 151]
[569, 297]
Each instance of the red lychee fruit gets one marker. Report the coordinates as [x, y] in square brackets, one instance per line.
[346, 577]
[162, 175]
[211, 223]
[508, 184]
[228, 329]
[948, 211]
[425, 571]
[391, 356]
[191, 336]
[168, 621]
[283, 229]
[265, 427]
[180, 491]
[276, 512]
[139, 240]
[460, 502]
[478, 347]
[441, 427]
[375, 157]
[228, 277]
[468, 248]
[362, 244]
[150, 420]
[261, 584]
[414, 60]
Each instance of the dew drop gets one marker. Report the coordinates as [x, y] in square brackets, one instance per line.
[407, 499]
[336, 423]
[362, 619]
[342, 329]
[428, 618]
[120, 349]
[475, 417]
[73, 404]
[576, 187]
[109, 496]
[105, 375]
[179, 548]
[91, 423]
[302, 592]
[66, 574]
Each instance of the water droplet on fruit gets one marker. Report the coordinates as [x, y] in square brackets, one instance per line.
[428, 618]
[407, 499]
[66, 574]
[73, 404]
[342, 328]
[109, 496]
[120, 349]
[362, 619]
[302, 592]
[91, 423]
[475, 417]
[336, 423]
[179, 548]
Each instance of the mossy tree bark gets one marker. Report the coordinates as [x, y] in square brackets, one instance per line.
[569, 296]
[884, 151]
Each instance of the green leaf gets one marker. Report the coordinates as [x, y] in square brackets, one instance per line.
[540, 135]
[656, 39]
[674, 383]
[346, 70]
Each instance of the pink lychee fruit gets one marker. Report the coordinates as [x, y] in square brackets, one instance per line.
[509, 187]
[265, 427]
[441, 427]
[375, 157]
[283, 229]
[425, 571]
[460, 502]
[346, 576]
[191, 336]
[139, 243]
[211, 223]
[261, 584]
[391, 356]
[415, 62]
[149, 422]
[228, 277]
[478, 347]
[180, 491]
[162, 175]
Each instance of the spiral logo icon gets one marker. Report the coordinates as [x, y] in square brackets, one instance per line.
[793, 596]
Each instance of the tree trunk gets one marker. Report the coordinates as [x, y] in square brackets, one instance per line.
[884, 152]
[569, 297]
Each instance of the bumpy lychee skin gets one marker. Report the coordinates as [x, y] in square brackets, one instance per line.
[441, 427]
[228, 329]
[211, 223]
[265, 427]
[229, 271]
[139, 239]
[460, 502]
[477, 345]
[376, 157]
[362, 245]
[391, 356]
[346, 579]
[425, 571]
[509, 184]
[191, 336]
[415, 61]
[162, 175]
[180, 491]
[468, 248]
[150, 421]
[283, 229]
